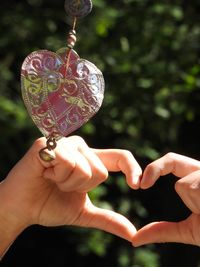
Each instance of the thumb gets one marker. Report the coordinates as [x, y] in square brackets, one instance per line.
[164, 232]
[108, 221]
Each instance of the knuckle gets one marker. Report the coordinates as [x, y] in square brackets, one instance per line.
[178, 186]
[100, 175]
[86, 175]
[39, 143]
[188, 185]
[104, 175]
[170, 155]
[70, 163]
[194, 187]
[181, 187]
[127, 154]
[150, 167]
[78, 139]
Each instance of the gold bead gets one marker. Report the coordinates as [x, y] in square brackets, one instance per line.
[71, 39]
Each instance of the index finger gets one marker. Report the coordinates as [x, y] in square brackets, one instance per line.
[121, 160]
[176, 164]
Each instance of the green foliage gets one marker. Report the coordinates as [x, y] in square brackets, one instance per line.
[97, 243]
[149, 53]
[146, 258]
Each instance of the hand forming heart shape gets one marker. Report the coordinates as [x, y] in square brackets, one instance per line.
[187, 187]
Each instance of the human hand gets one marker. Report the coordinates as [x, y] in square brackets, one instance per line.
[188, 188]
[55, 193]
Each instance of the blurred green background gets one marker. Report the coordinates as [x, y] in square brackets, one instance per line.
[149, 52]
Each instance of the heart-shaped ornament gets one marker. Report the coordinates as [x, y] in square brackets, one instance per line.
[60, 90]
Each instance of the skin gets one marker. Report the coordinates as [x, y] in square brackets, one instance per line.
[54, 194]
[188, 188]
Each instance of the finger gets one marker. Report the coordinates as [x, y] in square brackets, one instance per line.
[170, 163]
[62, 167]
[108, 221]
[80, 174]
[164, 232]
[188, 188]
[98, 171]
[121, 160]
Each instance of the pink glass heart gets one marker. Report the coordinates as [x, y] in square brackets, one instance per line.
[60, 94]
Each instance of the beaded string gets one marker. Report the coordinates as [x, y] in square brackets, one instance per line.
[75, 9]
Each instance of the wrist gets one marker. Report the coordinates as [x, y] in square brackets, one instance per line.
[11, 225]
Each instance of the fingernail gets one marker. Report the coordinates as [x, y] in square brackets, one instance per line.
[135, 181]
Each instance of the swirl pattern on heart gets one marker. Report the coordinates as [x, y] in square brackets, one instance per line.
[60, 94]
